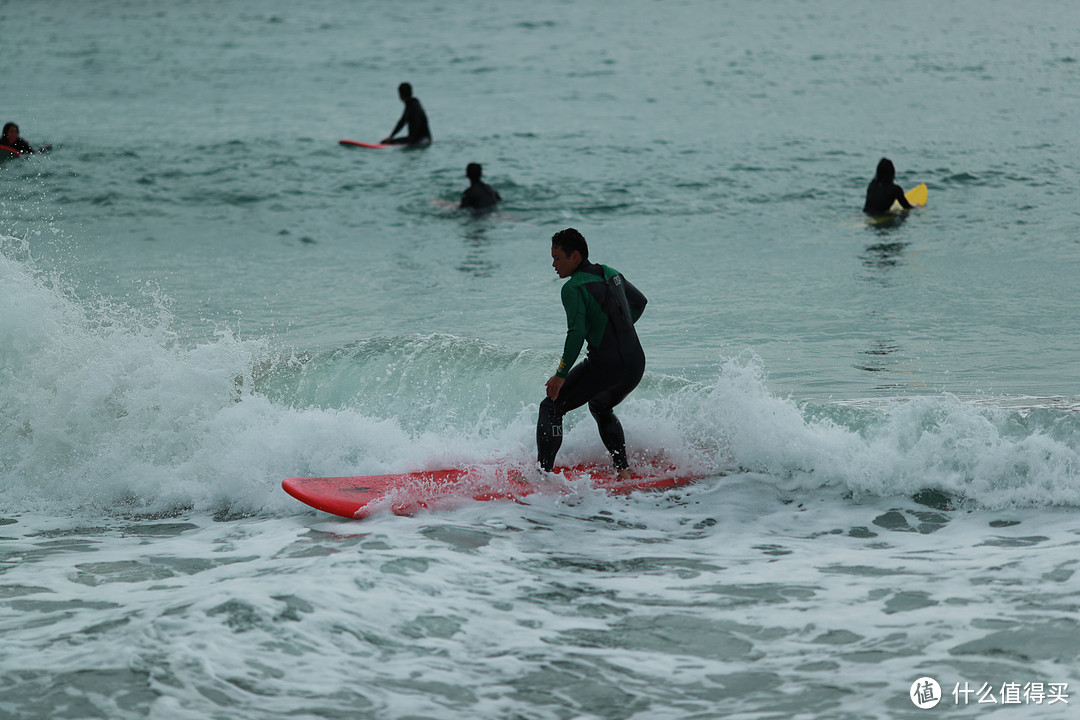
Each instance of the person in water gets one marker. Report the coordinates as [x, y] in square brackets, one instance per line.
[9, 138]
[882, 191]
[479, 194]
[414, 117]
[601, 309]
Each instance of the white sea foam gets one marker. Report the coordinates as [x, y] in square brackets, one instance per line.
[318, 313]
[104, 406]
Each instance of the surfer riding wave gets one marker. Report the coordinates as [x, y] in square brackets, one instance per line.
[601, 309]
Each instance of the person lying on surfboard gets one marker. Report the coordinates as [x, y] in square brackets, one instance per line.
[10, 141]
[882, 191]
[414, 117]
[601, 309]
[479, 195]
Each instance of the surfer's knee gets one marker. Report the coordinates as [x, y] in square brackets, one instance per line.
[550, 411]
[601, 411]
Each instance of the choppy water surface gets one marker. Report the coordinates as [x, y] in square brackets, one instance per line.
[203, 294]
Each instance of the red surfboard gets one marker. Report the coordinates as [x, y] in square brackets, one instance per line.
[410, 492]
[357, 143]
[7, 149]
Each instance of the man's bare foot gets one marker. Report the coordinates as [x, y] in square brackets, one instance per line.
[624, 474]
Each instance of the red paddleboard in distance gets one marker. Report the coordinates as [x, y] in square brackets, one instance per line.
[357, 143]
[410, 492]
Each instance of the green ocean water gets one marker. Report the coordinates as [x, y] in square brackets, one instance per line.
[204, 293]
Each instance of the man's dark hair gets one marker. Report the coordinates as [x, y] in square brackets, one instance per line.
[885, 170]
[405, 90]
[473, 171]
[570, 240]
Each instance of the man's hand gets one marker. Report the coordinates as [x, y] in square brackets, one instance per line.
[554, 385]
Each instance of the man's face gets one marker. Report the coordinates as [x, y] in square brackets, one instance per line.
[564, 264]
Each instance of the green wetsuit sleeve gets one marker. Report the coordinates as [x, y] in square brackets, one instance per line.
[576, 327]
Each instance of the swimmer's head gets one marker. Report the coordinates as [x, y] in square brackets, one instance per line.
[885, 170]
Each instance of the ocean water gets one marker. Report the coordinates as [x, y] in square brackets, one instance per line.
[203, 294]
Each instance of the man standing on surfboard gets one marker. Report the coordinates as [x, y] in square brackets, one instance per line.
[601, 309]
[414, 117]
[882, 191]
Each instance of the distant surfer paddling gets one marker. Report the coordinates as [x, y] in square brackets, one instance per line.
[601, 309]
[14, 144]
[883, 191]
[414, 116]
[479, 195]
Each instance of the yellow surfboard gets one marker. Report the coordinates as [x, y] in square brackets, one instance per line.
[916, 196]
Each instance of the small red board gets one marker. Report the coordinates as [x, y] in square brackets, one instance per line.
[357, 143]
[408, 493]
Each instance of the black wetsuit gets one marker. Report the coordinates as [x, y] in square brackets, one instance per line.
[880, 197]
[479, 195]
[601, 309]
[416, 119]
[20, 146]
